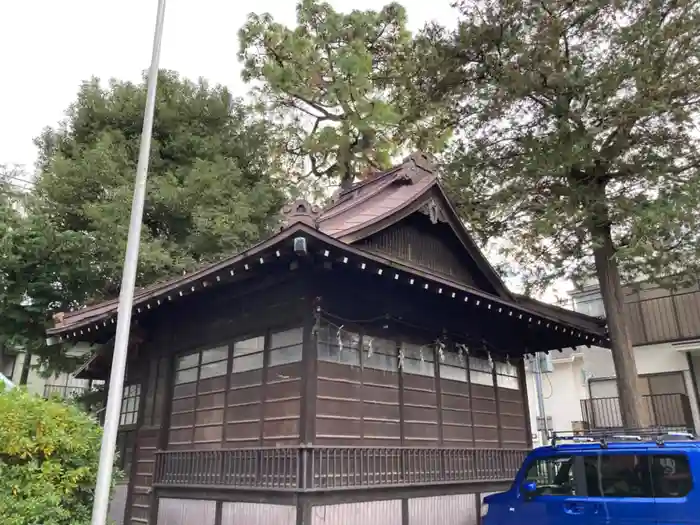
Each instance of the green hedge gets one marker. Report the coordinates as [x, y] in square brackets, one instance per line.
[49, 455]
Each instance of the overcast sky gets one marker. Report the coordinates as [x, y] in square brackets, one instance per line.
[48, 47]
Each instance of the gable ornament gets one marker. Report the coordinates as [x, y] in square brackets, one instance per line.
[300, 211]
[433, 210]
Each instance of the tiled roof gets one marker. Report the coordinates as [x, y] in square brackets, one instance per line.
[370, 201]
[382, 197]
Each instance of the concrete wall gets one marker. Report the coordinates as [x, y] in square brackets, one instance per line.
[652, 359]
[462, 509]
[455, 509]
[36, 381]
[117, 504]
[562, 391]
[186, 512]
[565, 386]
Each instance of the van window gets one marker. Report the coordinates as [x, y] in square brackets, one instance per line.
[671, 475]
[618, 476]
[554, 475]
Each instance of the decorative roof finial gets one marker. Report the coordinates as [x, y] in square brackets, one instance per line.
[422, 160]
[300, 211]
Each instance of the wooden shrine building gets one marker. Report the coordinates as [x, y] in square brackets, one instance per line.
[363, 365]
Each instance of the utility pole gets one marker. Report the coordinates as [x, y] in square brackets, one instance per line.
[544, 431]
[126, 297]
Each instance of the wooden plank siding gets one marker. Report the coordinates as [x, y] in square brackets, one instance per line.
[658, 315]
[430, 246]
[191, 414]
[153, 395]
[414, 406]
[232, 373]
[457, 421]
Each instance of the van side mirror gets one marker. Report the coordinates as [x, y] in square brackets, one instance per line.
[528, 489]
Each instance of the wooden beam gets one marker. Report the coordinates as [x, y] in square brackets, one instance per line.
[497, 398]
[522, 383]
[309, 359]
[438, 396]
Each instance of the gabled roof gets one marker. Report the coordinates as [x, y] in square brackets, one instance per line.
[366, 208]
[387, 198]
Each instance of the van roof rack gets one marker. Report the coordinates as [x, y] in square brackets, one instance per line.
[604, 436]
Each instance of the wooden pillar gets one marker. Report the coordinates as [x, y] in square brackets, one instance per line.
[471, 403]
[162, 444]
[144, 390]
[438, 396]
[218, 513]
[402, 411]
[264, 381]
[522, 383]
[496, 396]
[477, 496]
[309, 359]
[304, 511]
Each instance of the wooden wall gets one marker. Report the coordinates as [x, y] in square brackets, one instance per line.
[244, 393]
[151, 374]
[216, 371]
[356, 404]
[433, 247]
[364, 398]
[226, 370]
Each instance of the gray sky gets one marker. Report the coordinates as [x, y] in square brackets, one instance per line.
[49, 47]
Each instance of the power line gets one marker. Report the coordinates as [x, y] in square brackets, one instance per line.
[16, 181]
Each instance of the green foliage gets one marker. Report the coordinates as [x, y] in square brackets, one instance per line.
[577, 122]
[49, 455]
[211, 186]
[214, 188]
[343, 85]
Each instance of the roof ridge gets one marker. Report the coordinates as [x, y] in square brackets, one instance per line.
[431, 184]
[369, 180]
[415, 161]
[336, 210]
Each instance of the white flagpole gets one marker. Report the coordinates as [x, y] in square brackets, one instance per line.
[126, 296]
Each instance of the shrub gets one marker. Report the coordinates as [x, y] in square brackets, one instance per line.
[49, 456]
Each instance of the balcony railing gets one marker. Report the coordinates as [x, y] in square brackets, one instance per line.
[63, 391]
[662, 410]
[668, 318]
[333, 468]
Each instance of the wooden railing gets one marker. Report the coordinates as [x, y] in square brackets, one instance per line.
[662, 410]
[333, 468]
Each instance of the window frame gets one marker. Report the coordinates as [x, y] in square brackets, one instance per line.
[578, 486]
[603, 453]
[670, 454]
[424, 354]
[272, 350]
[503, 379]
[454, 361]
[246, 354]
[485, 370]
[124, 411]
[390, 355]
[352, 346]
[579, 474]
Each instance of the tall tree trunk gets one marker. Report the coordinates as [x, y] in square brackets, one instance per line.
[631, 407]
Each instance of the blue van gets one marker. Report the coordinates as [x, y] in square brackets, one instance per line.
[609, 479]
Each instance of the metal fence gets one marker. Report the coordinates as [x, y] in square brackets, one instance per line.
[63, 391]
[662, 410]
[333, 468]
